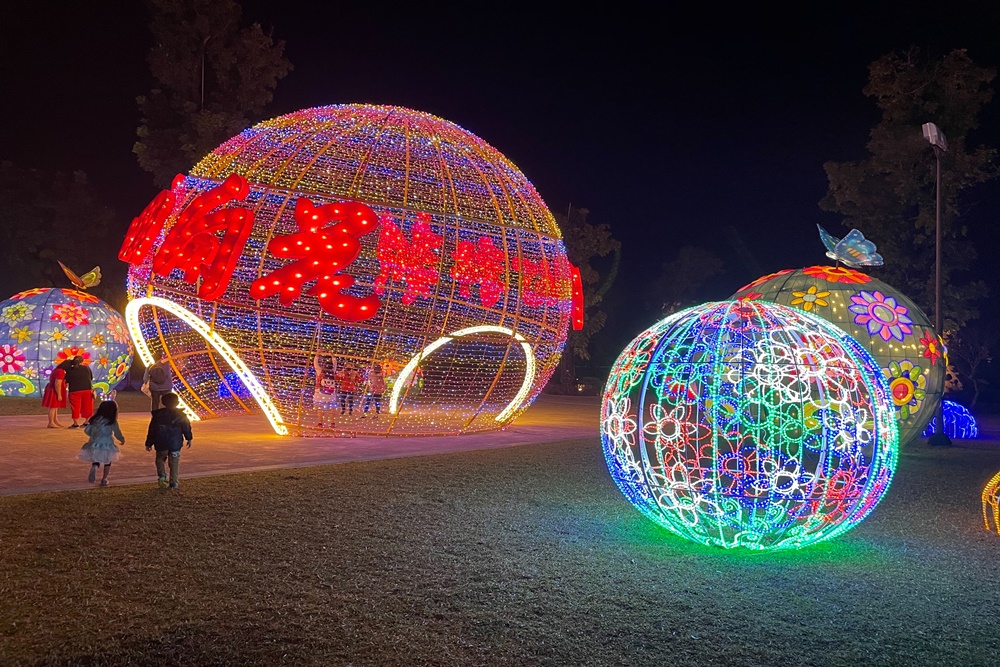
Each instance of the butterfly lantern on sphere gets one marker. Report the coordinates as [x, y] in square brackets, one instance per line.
[892, 328]
[854, 250]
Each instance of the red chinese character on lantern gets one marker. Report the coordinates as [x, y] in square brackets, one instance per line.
[479, 263]
[540, 281]
[577, 311]
[142, 233]
[192, 244]
[414, 262]
[322, 251]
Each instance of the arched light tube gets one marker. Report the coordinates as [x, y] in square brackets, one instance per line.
[529, 371]
[221, 346]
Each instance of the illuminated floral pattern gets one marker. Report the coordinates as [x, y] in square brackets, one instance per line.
[810, 298]
[749, 424]
[71, 352]
[21, 334]
[837, 274]
[41, 328]
[881, 315]
[16, 313]
[750, 296]
[11, 359]
[116, 326]
[80, 296]
[70, 314]
[933, 349]
[764, 279]
[907, 385]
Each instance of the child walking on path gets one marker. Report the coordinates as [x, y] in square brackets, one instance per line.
[101, 448]
[168, 429]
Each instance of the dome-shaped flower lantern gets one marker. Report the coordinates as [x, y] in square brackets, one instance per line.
[371, 235]
[888, 325]
[41, 328]
[749, 424]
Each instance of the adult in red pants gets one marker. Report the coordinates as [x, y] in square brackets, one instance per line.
[80, 382]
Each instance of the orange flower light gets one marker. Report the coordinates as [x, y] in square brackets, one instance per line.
[837, 274]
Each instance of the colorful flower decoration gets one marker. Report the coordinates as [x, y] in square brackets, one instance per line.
[881, 315]
[11, 359]
[837, 274]
[810, 298]
[933, 347]
[29, 293]
[21, 334]
[116, 326]
[71, 352]
[57, 335]
[17, 312]
[80, 296]
[97, 340]
[70, 314]
[764, 279]
[751, 296]
[907, 385]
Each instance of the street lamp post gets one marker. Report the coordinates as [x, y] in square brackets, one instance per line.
[934, 136]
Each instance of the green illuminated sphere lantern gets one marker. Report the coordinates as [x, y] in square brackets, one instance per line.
[749, 424]
[41, 328]
[889, 325]
[353, 239]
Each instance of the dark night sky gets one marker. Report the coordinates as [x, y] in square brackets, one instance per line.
[670, 127]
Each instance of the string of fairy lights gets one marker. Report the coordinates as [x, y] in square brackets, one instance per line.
[344, 238]
[746, 423]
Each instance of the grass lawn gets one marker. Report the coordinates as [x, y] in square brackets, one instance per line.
[520, 556]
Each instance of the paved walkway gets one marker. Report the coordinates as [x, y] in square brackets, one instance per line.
[36, 459]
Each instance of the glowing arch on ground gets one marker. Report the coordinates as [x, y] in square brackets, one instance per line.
[529, 371]
[221, 346]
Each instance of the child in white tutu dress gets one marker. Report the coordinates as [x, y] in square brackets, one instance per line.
[101, 449]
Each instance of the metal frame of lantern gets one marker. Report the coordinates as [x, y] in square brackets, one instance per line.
[379, 234]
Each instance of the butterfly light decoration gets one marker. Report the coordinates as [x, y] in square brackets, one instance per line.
[854, 250]
[89, 279]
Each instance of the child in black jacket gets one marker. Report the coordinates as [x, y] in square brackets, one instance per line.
[167, 431]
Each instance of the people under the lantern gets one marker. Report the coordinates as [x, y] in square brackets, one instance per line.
[375, 388]
[80, 380]
[56, 394]
[325, 391]
[349, 381]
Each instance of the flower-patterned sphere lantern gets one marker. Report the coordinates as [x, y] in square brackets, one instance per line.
[371, 234]
[888, 324]
[41, 328]
[749, 424]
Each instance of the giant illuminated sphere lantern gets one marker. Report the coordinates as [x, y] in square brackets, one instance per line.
[372, 234]
[41, 328]
[749, 424]
[889, 325]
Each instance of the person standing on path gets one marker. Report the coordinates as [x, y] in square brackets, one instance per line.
[348, 382]
[55, 394]
[376, 387]
[80, 381]
[101, 449]
[168, 429]
[160, 380]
